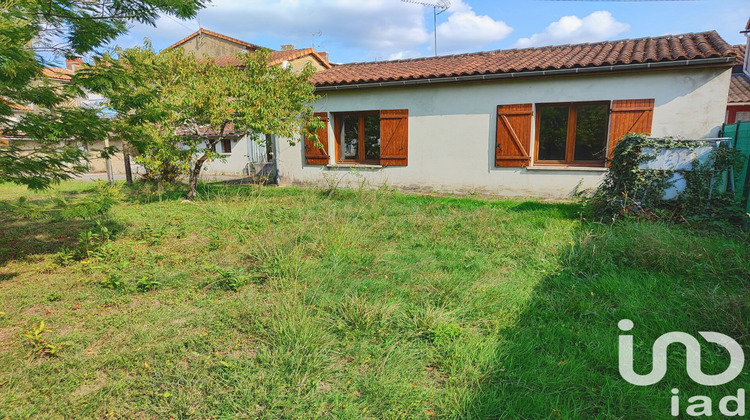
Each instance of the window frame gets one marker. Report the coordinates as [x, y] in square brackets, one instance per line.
[224, 151]
[337, 116]
[569, 160]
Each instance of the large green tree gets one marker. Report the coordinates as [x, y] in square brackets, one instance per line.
[34, 31]
[174, 108]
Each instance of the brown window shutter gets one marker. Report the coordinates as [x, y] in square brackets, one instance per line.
[513, 135]
[629, 116]
[317, 155]
[394, 133]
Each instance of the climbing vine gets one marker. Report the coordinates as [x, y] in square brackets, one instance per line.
[629, 189]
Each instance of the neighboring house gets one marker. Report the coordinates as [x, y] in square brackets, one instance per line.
[738, 102]
[536, 121]
[17, 111]
[57, 75]
[243, 156]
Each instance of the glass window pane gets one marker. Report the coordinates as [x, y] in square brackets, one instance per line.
[372, 137]
[349, 137]
[553, 132]
[591, 132]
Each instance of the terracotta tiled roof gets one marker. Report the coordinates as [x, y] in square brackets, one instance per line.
[14, 106]
[277, 57]
[608, 53]
[217, 35]
[57, 73]
[741, 51]
[739, 89]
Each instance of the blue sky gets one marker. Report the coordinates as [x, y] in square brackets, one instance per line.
[368, 30]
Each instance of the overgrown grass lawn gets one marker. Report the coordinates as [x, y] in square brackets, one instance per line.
[296, 303]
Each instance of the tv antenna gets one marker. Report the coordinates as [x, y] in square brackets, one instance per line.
[443, 5]
[319, 33]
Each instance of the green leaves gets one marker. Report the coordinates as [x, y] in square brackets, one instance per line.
[174, 107]
[629, 190]
[58, 28]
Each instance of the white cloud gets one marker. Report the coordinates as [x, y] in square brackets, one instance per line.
[466, 31]
[597, 26]
[360, 29]
[378, 27]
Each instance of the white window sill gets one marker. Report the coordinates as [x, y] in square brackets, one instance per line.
[353, 165]
[566, 168]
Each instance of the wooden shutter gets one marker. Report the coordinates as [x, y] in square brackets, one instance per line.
[394, 133]
[318, 155]
[513, 135]
[629, 116]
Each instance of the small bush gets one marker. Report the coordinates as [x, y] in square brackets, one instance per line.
[146, 283]
[630, 191]
[231, 279]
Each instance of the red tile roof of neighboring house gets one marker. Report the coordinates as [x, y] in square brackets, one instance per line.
[14, 106]
[667, 48]
[739, 89]
[739, 86]
[217, 35]
[277, 57]
[741, 51]
[57, 73]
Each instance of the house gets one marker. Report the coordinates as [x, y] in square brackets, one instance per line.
[738, 102]
[536, 121]
[242, 156]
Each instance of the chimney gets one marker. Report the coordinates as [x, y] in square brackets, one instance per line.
[287, 47]
[73, 63]
[323, 55]
[746, 32]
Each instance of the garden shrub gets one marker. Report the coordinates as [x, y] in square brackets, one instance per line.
[633, 191]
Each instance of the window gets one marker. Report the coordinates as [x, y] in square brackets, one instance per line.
[225, 148]
[358, 137]
[572, 133]
[568, 134]
[362, 137]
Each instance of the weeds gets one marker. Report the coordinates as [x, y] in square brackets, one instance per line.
[231, 279]
[146, 283]
[38, 344]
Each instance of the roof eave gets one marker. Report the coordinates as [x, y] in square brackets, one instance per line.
[515, 75]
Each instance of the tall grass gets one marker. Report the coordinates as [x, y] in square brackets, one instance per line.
[302, 303]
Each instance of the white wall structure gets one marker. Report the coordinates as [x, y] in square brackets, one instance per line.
[452, 128]
[235, 160]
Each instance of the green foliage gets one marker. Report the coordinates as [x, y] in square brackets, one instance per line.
[40, 346]
[231, 279]
[174, 108]
[113, 282]
[95, 205]
[442, 333]
[43, 167]
[151, 235]
[146, 283]
[57, 126]
[628, 190]
[53, 297]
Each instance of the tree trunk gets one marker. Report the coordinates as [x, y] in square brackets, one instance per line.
[128, 171]
[194, 175]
